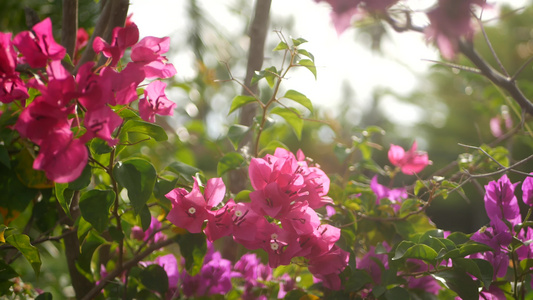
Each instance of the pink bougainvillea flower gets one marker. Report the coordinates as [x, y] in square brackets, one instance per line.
[155, 102]
[500, 201]
[342, 13]
[396, 196]
[62, 158]
[527, 190]
[501, 122]
[328, 266]
[301, 219]
[190, 209]
[101, 122]
[123, 38]
[270, 201]
[151, 234]
[220, 222]
[147, 54]
[38, 45]
[409, 162]
[449, 22]
[11, 86]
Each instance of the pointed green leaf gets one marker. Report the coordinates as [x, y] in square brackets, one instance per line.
[193, 248]
[309, 64]
[99, 146]
[297, 42]
[146, 217]
[479, 268]
[236, 133]
[459, 282]
[308, 54]
[230, 161]
[4, 156]
[22, 243]
[6, 272]
[240, 101]
[89, 246]
[150, 129]
[281, 46]
[155, 278]
[138, 177]
[258, 75]
[401, 249]
[291, 118]
[243, 196]
[184, 170]
[299, 98]
[273, 145]
[64, 196]
[271, 74]
[83, 181]
[421, 251]
[94, 207]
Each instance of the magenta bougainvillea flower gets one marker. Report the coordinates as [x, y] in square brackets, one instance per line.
[123, 38]
[409, 162]
[61, 157]
[395, 196]
[527, 190]
[38, 45]
[101, 123]
[151, 234]
[155, 102]
[450, 21]
[500, 201]
[344, 10]
[190, 209]
[11, 86]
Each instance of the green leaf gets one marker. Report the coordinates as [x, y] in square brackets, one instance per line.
[138, 177]
[100, 147]
[273, 145]
[193, 248]
[155, 278]
[291, 118]
[357, 280]
[467, 249]
[258, 75]
[309, 64]
[150, 129]
[4, 156]
[281, 46]
[89, 246]
[146, 217]
[22, 243]
[420, 251]
[526, 264]
[83, 181]
[236, 133]
[45, 295]
[397, 293]
[401, 249]
[479, 268]
[458, 238]
[94, 207]
[184, 170]
[308, 54]
[418, 186]
[230, 161]
[64, 196]
[459, 282]
[271, 74]
[297, 42]
[299, 98]
[240, 101]
[243, 196]
[6, 272]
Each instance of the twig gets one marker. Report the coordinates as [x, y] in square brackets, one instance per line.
[125, 266]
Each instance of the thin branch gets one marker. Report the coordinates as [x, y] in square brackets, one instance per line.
[125, 266]
[456, 66]
[489, 44]
[522, 67]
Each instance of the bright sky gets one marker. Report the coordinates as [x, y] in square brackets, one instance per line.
[339, 59]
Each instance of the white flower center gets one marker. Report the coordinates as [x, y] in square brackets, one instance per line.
[274, 236]
[274, 246]
[238, 213]
[192, 210]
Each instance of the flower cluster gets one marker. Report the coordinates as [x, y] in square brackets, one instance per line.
[280, 218]
[505, 229]
[409, 162]
[66, 101]
[218, 276]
